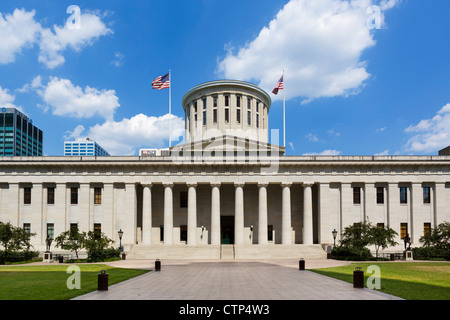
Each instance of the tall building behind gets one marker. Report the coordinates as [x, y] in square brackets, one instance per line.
[84, 147]
[18, 135]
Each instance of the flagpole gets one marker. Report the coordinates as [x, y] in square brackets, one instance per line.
[170, 108]
[284, 111]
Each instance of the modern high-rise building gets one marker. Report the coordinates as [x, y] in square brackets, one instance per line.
[84, 147]
[18, 135]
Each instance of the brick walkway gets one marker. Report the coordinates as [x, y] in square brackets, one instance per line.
[232, 280]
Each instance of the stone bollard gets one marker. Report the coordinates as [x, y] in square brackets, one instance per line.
[157, 265]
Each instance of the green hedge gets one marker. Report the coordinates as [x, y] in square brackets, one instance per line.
[17, 256]
[351, 254]
[431, 253]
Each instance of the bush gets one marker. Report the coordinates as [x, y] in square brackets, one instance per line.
[18, 256]
[431, 253]
[104, 255]
[349, 253]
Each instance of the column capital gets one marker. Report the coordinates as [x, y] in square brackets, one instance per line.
[146, 185]
[308, 184]
[286, 184]
[191, 184]
[169, 184]
[239, 184]
[263, 185]
[216, 184]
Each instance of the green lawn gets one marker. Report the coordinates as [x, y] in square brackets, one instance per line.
[50, 282]
[408, 280]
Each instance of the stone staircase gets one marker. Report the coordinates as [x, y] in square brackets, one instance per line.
[227, 252]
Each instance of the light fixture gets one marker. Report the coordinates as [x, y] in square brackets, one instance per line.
[334, 232]
[120, 239]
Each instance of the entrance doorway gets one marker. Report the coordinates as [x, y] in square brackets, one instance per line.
[227, 229]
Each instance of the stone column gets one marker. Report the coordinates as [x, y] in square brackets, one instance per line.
[168, 214]
[307, 214]
[262, 214]
[147, 214]
[239, 214]
[286, 232]
[215, 214]
[192, 215]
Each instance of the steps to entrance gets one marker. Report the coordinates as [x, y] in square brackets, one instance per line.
[227, 252]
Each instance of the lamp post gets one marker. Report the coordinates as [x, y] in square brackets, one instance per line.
[334, 232]
[120, 239]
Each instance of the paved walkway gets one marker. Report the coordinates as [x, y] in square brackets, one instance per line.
[232, 280]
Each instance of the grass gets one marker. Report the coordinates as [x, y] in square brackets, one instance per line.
[408, 280]
[50, 282]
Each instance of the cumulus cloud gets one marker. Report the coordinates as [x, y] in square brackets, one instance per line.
[17, 31]
[430, 135]
[66, 99]
[324, 153]
[319, 43]
[125, 137]
[20, 30]
[53, 43]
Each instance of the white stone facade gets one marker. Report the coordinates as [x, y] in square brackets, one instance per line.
[240, 207]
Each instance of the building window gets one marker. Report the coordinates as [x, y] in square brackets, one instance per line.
[356, 195]
[238, 115]
[249, 118]
[215, 101]
[227, 101]
[50, 195]
[51, 230]
[204, 103]
[27, 229]
[426, 195]
[183, 199]
[97, 231]
[249, 103]
[257, 120]
[426, 229]
[73, 229]
[215, 115]
[195, 106]
[238, 101]
[227, 115]
[403, 230]
[403, 195]
[380, 225]
[73, 195]
[204, 118]
[183, 233]
[97, 195]
[161, 233]
[380, 195]
[27, 195]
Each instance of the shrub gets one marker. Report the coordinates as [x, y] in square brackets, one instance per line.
[351, 253]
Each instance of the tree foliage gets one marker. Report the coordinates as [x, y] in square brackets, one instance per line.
[13, 239]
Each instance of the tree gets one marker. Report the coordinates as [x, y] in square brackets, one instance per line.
[439, 237]
[71, 240]
[382, 237]
[13, 238]
[357, 236]
[96, 245]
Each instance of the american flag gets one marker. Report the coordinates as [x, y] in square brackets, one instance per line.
[162, 82]
[279, 86]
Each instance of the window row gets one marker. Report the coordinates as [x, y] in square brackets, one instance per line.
[73, 229]
[51, 195]
[403, 195]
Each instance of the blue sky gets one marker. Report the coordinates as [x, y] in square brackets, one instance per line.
[353, 87]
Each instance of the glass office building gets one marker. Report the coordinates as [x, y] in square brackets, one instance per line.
[18, 135]
[84, 147]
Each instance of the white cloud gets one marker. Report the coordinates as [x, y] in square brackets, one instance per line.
[383, 153]
[324, 153]
[430, 134]
[67, 99]
[312, 137]
[6, 99]
[127, 136]
[18, 30]
[118, 59]
[319, 43]
[52, 44]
